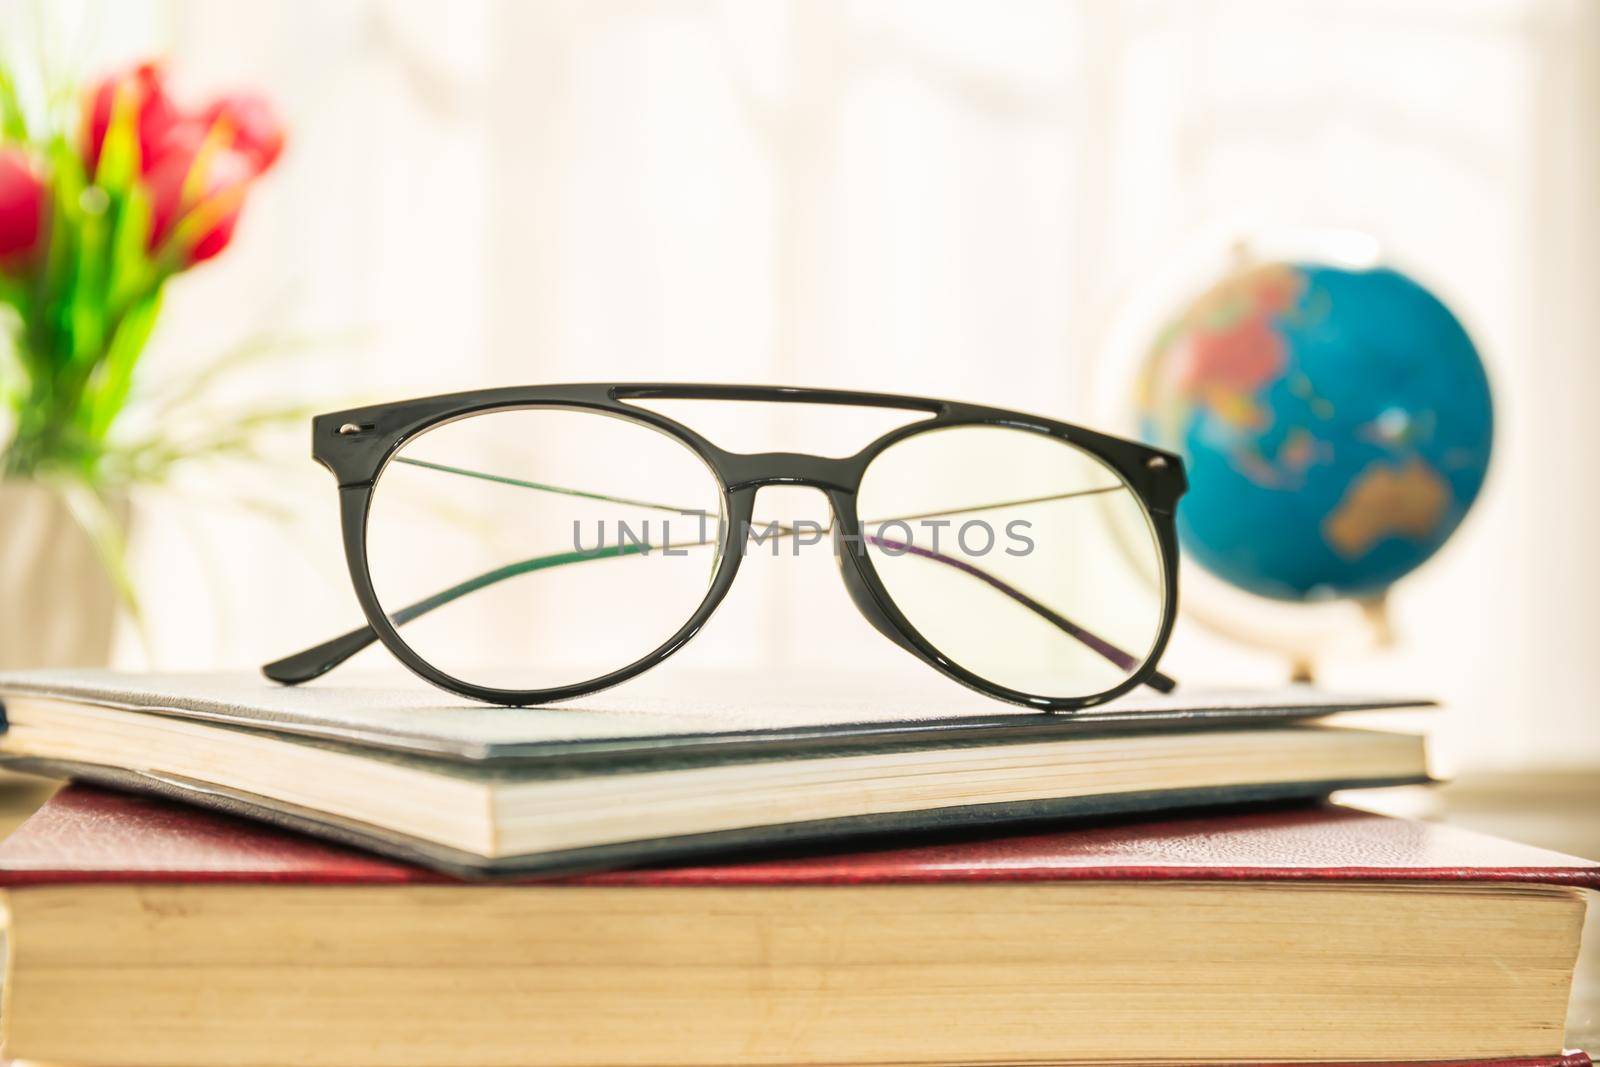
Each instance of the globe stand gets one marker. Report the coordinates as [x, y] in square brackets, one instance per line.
[1374, 613]
[1303, 636]
[1375, 609]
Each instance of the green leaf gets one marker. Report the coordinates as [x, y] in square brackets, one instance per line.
[119, 162]
[13, 120]
[115, 378]
[14, 293]
[78, 280]
[133, 274]
[68, 181]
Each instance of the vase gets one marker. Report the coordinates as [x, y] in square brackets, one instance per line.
[58, 605]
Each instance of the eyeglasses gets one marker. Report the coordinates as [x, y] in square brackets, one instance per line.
[525, 545]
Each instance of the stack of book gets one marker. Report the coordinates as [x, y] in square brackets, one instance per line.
[792, 880]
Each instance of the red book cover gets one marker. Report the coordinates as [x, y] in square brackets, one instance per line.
[87, 834]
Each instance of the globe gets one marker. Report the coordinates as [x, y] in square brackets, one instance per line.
[1336, 425]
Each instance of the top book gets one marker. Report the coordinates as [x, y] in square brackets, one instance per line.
[759, 712]
[645, 773]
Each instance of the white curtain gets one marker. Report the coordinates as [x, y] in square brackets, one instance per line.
[945, 198]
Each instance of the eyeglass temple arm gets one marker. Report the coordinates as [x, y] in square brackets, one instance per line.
[320, 659]
[1161, 683]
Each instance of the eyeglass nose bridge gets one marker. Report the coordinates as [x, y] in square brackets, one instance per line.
[830, 474]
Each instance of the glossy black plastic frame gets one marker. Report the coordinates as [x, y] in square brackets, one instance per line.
[355, 445]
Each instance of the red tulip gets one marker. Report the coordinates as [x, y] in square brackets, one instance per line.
[198, 180]
[252, 124]
[154, 114]
[22, 204]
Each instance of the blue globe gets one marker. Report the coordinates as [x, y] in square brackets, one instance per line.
[1336, 425]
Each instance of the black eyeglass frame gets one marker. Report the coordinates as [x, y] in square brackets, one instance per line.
[355, 445]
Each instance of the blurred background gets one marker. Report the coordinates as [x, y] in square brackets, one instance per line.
[973, 201]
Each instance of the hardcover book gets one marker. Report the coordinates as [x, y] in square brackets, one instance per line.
[639, 774]
[146, 932]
